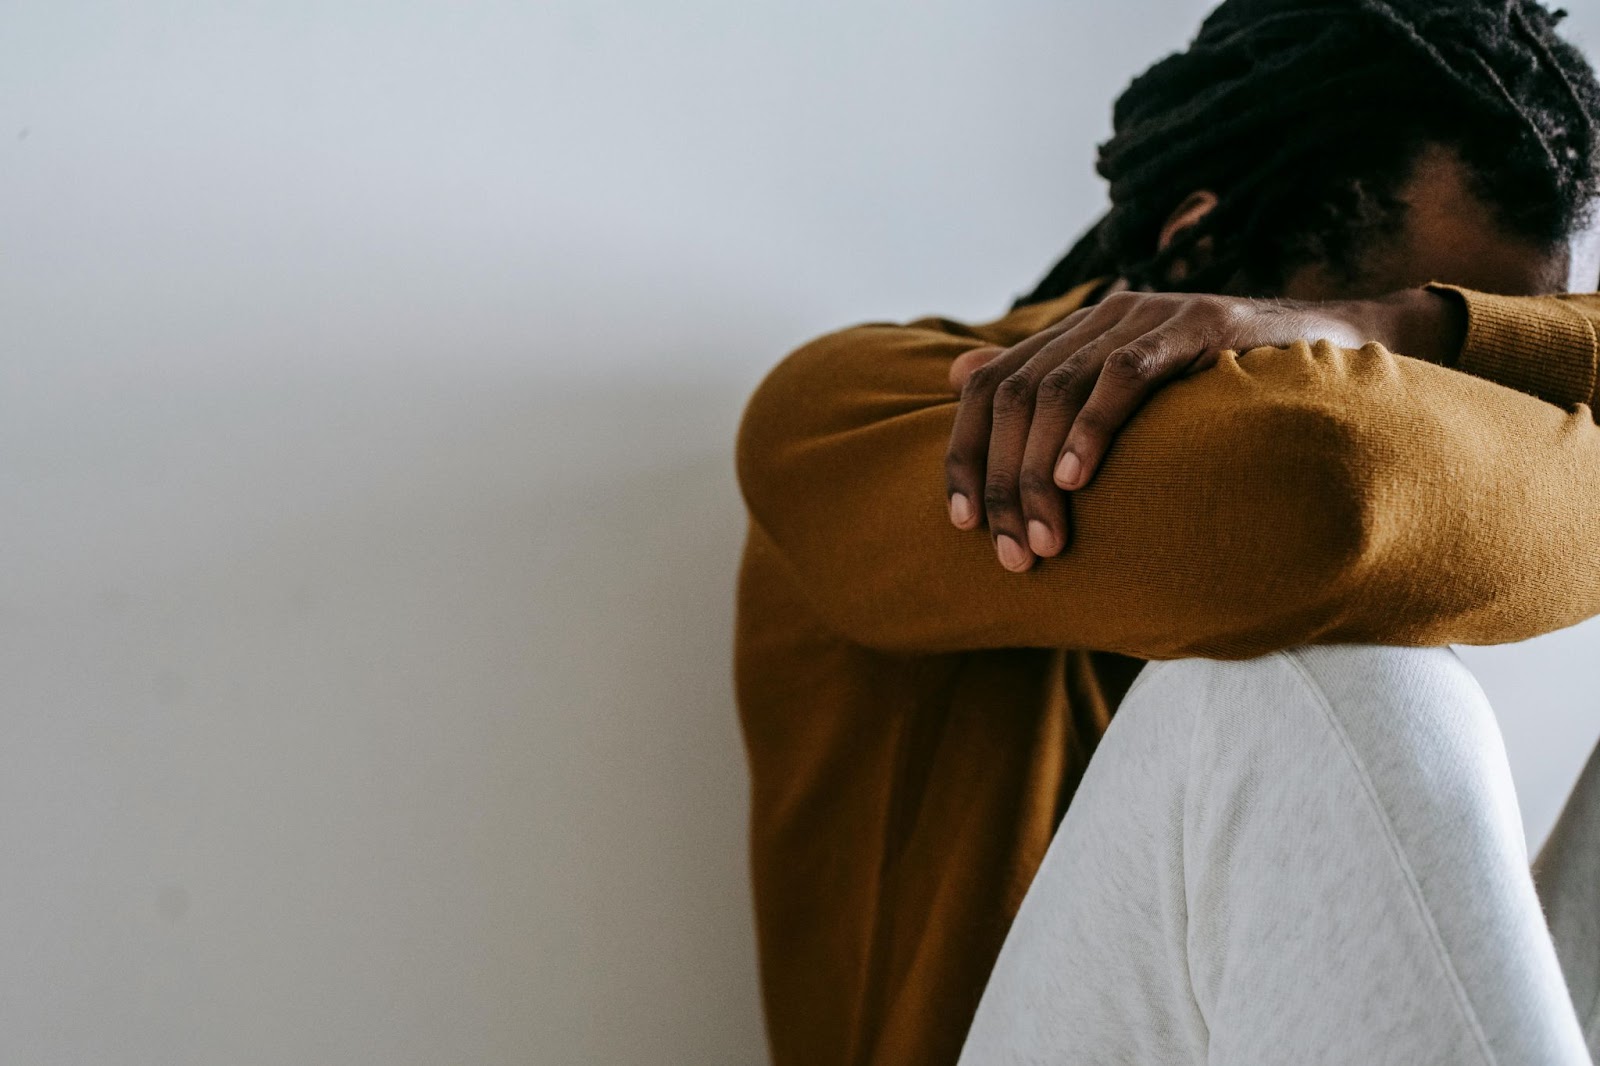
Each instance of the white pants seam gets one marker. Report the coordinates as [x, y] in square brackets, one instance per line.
[1397, 853]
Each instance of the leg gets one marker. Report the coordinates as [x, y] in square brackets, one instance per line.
[1312, 857]
[1567, 874]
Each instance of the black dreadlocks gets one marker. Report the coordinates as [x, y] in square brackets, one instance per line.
[1305, 116]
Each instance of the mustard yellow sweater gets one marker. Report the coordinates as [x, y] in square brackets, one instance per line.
[917, 717]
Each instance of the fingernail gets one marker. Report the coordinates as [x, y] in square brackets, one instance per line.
[1067, 468]
[1012, 555]
[960, 510]
[1040, 539]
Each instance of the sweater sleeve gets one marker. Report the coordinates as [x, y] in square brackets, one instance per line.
[1286, 496]
[1544, 346]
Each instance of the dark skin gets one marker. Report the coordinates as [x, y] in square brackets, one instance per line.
[1037, 418]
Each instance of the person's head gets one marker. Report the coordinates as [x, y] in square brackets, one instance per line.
[1323, 148]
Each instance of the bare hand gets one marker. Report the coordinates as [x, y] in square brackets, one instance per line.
[1038, 418]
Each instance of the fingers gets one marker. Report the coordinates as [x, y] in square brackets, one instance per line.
[1131, 373]
[1071, 363]
[966, 460]
[1016, 543]
[1061, 393]
[1008, 435]
[962, 512]
[966, 457]
[1038, 418]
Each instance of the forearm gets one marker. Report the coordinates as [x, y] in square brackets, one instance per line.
[1452, 510]
[1425, 323]
[1284, 497]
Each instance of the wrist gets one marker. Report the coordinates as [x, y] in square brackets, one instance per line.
[1420, 323]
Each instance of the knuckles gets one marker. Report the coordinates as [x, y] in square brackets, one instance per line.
[1124, 301]
[1133, 364]
[1162, 327]
[1013, 392]
[1036, 485]
[1057, 385]
[999, 496]
[983, 379]
[1092, 424]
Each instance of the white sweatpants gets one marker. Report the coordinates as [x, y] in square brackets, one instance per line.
[1311, 857]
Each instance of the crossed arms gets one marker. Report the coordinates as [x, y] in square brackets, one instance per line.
[1284, 496]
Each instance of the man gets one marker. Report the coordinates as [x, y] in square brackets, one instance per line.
[920, 701]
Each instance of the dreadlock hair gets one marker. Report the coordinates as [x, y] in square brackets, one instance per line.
[1305, 117]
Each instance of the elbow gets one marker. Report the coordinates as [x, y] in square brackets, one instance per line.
[790, 406]
[788, 466]
[1296, 526]
[1397, 547]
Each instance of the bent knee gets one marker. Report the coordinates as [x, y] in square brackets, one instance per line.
[1413, 716]
[1417, 710]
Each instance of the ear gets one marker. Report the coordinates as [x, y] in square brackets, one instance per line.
[1196, 206]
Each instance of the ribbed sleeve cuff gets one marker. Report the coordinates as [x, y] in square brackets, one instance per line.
[1536, 345]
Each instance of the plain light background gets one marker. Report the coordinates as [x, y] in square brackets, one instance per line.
[368, 374]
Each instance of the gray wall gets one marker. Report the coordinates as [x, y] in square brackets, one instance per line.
[369, 373]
